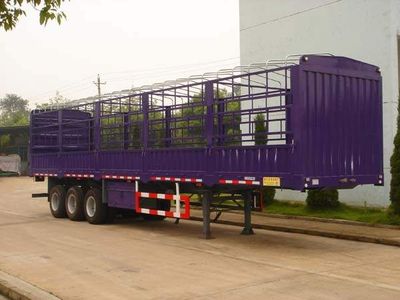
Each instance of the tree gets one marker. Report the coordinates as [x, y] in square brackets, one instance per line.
[57, 100]
[192, 125]
[261, 138]
[14, 111]
[12, 10]
[4, 141]
[260, 131]
[395, 169]
[322, 199]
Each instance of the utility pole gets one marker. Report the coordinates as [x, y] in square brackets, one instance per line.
[98, 84]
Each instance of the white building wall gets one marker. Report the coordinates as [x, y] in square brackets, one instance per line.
[365, 30]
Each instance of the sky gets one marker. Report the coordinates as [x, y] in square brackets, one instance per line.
[128, 42]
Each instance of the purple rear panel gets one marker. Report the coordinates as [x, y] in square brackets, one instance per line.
[337, 122]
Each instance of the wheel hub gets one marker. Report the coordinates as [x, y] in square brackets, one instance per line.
[55, 201]
[71, 203]
[91, 206]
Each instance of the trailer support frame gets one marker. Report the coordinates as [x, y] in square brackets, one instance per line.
[206, 201]
[248, 198]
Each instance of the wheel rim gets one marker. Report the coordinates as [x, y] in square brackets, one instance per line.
[55, 201]
[71, 203]
[90, 206]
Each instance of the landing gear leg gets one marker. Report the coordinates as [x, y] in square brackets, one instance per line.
[206, 200]
[248, 229]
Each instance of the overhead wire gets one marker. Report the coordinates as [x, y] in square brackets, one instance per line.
[67, 88]
[289, 15]
[160, 76]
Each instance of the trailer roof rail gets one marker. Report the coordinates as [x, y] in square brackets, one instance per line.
[291, 59]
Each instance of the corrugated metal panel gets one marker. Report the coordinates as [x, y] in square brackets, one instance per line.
[342, 119]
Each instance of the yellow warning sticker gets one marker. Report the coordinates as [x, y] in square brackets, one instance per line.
[271, 181]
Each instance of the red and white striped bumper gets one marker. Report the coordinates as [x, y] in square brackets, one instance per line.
[169, 197]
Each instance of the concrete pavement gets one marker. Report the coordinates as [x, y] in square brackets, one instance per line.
[16, 289]
[134, 259]
[386, 235]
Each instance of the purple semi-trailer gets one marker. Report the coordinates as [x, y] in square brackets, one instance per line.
[305, 122]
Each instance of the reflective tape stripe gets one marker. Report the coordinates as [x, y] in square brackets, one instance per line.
[146, 195]
[162, 196]
[235, 181]
[163, 213]
[79, 175]
[123, 177]
[178, 179]
[45, 174]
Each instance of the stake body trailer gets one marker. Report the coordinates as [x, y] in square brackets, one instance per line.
[306, 122]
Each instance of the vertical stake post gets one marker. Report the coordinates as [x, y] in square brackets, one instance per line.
[126, 131]
[145, 127]
[168, 126]
[60, 129]
[96, 131]
[209, 101]
[221, 126]
[177, 201]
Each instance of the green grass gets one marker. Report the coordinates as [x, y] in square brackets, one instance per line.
[344, 212]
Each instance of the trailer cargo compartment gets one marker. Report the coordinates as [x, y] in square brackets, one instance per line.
[307, 122]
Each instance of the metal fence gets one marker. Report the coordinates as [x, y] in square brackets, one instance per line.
[216, 109]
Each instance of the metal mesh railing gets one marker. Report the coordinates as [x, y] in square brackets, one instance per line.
[247, 106]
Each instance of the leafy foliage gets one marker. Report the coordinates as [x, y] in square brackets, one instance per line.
[186, 125]
[58, 99]
[113, 129]
[14, 111]
[319, 199]
[268, 194]
[260, 130]
[191, 121]
[12, 10]
[4, 141]
[395, 170]
[261, 139]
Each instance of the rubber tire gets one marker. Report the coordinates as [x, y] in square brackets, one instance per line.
[164, 205]
[59, 212]
[77, 215]
[100, 213]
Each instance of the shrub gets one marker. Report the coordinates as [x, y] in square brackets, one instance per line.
[395, 170]
[268, 195]
[319, 199]
[261, 138]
